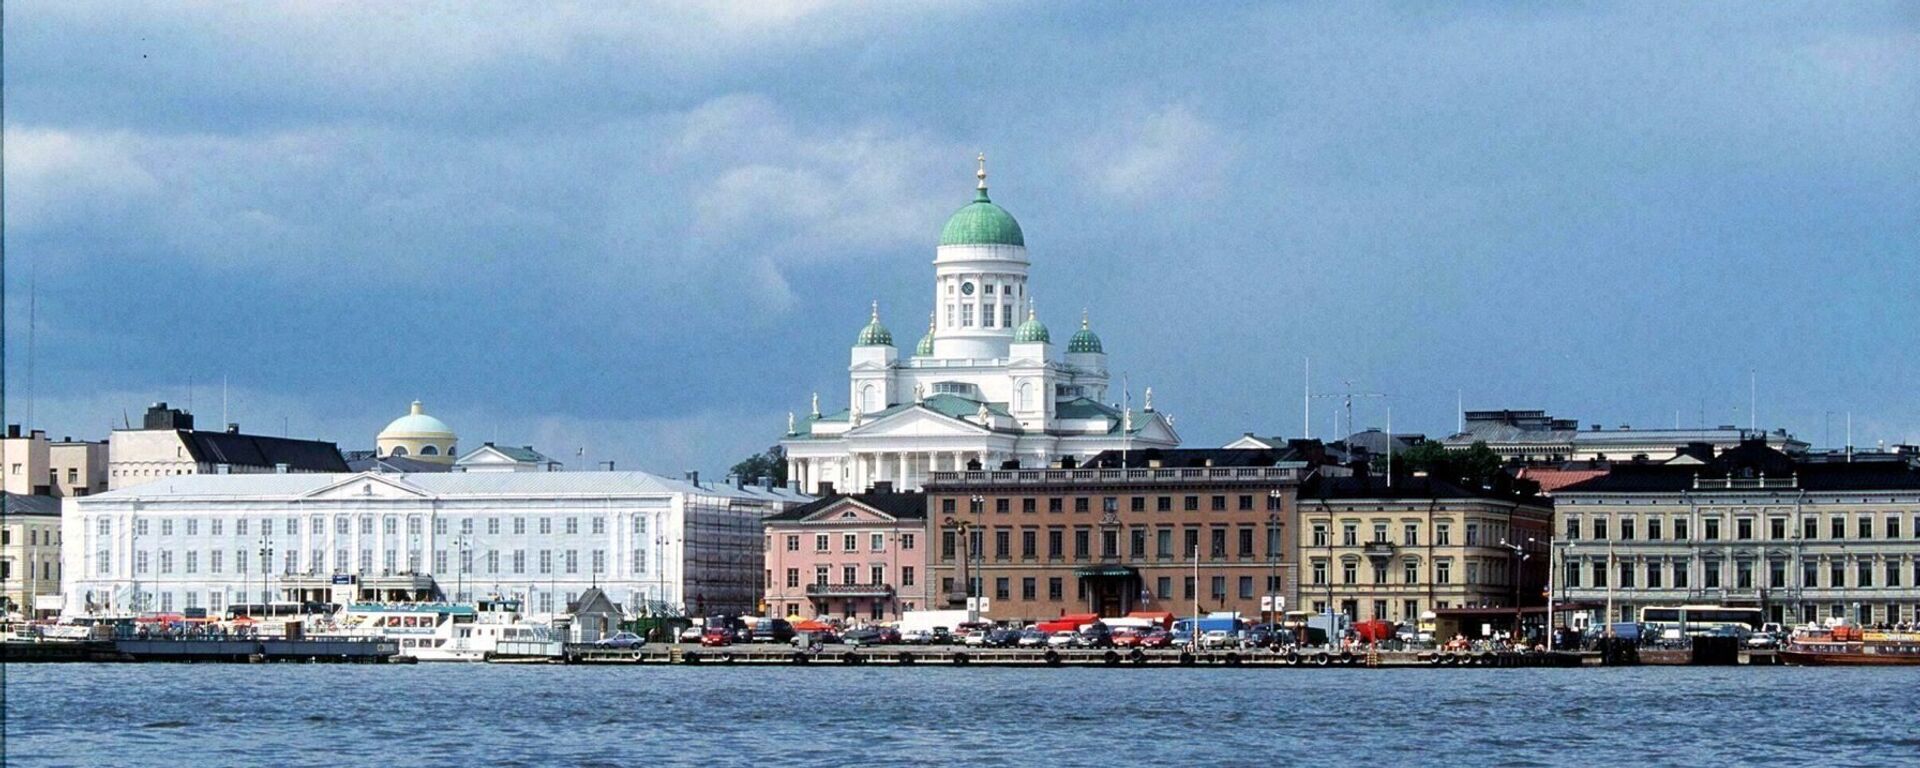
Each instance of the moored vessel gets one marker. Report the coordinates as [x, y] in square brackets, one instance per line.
[1849, 645]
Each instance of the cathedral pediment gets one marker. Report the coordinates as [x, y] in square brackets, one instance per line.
[917, 422]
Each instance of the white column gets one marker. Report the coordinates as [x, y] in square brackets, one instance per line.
[905, 458]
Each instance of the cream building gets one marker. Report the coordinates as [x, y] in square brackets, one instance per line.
[985, 387]
[167, 445]
[29, 552]
[67, 467]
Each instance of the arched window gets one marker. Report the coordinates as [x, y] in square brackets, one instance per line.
[1026, 396]
[399, 450]
[428, 450]
[870, 398]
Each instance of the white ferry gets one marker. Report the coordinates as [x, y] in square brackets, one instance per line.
[442, 631]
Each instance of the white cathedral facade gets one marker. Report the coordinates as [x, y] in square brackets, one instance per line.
[985, 388]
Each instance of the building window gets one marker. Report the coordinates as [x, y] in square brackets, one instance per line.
[1220, 504]
[1219, 584]
[1380, 573]
[1710, 575]
[1599, 529]
[1054, 592]
[1219, 541]
[1711, 528]
[1599, 574]
[1380, 532]
[1743, 529]
[1137, 544]
[546, 561]
[1080, 504]
[1246, 541]
[1349, 572]
[1443, 571]
[1443, 534]
[1082, 542]
[1163, 588]
[1653, 575]
[793, 578]
[906, 541]
[1626, 529]
[1319, 534]
[1863, 571]
[1002, 544]
[1054, 546]
[1163, 504]
[1837, 528]
[877, 574]
[1680, 529]
[1410, 535]
[850, 542]
[1653, 529]
[1626, 575]
[1319, 572]
[820, 543]
[1349, 535]
[906, 575]
[1865, 527]
[1573, 528]
[1893, 527]
[849, 574]
[1682, 570]
[1029, 588]
[820, 575]
[1411, 572]
[1473, 534]
[1777, 528]
[1056, 504]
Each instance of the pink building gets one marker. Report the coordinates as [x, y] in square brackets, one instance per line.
[860, 556]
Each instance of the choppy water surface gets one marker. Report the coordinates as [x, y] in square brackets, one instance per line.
[279, 715]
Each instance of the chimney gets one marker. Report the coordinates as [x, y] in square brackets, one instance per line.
[826, 489]
[692, 476]
[233, 427]
[13, 430]
[883, 486]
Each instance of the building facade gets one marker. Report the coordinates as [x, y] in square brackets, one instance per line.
[209, 541]
[984, 388]
[29, 553]
[1752, 527]
[167, 445]
[1156, 531]
[1535, 437]
[859, 556]
[1417, 546]
[34, 465]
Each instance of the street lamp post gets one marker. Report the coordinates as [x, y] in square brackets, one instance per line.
[979, 506]
[463, 542]
[1273, 559]
[1520, 557]
[266, 562]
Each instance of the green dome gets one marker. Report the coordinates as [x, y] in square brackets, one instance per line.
[926, 342]
[982, 223]
[1031, 331]
[875, 334]
[1084, 340]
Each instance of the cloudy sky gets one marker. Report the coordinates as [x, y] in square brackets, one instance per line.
[649, 233]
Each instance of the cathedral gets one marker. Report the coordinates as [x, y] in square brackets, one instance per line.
[985, 388]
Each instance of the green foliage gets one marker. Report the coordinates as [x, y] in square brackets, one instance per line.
[771, 463]
[1476, 466]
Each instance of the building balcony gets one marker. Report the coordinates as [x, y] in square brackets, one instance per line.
[1380, 549]
[849, 590]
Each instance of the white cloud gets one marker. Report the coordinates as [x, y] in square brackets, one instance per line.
[1159, 152]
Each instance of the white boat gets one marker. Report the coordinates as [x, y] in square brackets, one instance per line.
[441, 631]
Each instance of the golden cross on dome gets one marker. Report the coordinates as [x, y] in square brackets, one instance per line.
[982, 173]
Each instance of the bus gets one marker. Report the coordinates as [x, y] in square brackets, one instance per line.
[1676, 622]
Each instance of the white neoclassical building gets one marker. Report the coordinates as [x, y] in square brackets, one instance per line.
[985, 387]
[209, 541]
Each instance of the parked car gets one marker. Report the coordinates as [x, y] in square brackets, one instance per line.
[1095, 635]
[716, 635]
[621, 640]
[692, 634]
[1218, 638]
[865, 636]
[941, 637]
[1062, 639]
[767, 631]
[1032, 638]
[1003, 638]
[1156, 638]
[1127, 637]
[1261, 636]
[917, 637]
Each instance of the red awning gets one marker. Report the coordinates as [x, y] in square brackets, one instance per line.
[1162, 618]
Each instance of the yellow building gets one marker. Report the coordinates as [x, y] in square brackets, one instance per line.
[29, 552]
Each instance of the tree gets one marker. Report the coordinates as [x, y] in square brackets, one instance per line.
[771, 463]
[1473, 467]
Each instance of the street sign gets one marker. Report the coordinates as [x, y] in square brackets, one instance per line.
[981, 604]
[1275, 603]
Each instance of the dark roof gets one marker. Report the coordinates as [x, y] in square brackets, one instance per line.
[1751, 460]
[263, 451]
[395, 464]
[1404, 487]
[20, 504]
[1174, 458]
[907, 505]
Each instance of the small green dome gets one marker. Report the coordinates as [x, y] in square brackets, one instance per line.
[875, 334]
[1084, 340]
[981, 222]
[925, 349]
[1031, 331]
